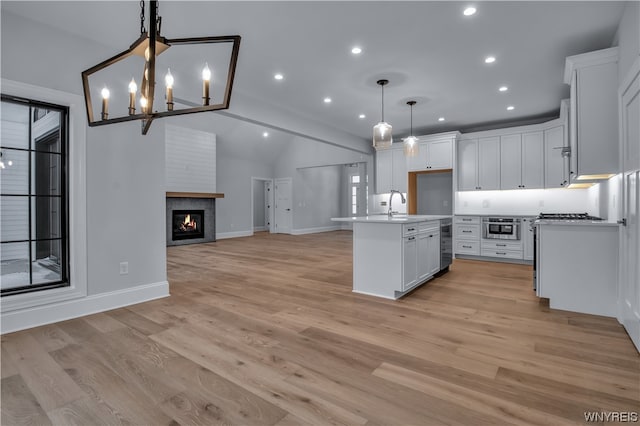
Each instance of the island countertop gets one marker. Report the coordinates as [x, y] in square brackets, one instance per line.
[383, 218]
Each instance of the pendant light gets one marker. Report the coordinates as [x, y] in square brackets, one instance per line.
[382, 138]
[411, 146]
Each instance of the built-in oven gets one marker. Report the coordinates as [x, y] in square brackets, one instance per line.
[501, 228]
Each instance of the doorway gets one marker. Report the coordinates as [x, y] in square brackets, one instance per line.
[262, 204]
[283, 206]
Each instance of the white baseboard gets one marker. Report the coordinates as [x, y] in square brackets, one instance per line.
[316, 230]
[260, 228]
[235, 234]
[46, 314]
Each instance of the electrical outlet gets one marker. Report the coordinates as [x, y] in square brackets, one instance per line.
[383, 203]
[124, 268]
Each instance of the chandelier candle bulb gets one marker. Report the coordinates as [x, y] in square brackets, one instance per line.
[143, 104]
[206, 77]
[168, 79]
[133, 88]
[105, 103]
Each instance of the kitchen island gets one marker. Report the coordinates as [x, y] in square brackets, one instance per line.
[392, 255]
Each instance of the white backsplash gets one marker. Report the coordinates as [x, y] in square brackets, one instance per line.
[527, 202]
[397, 206]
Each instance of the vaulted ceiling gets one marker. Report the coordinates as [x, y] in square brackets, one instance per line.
[429, 51]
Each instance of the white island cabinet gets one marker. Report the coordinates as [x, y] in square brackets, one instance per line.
[394, 255]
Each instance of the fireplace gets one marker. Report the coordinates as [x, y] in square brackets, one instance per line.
[187, 224]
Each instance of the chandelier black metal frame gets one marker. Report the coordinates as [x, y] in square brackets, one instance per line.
[150, 44]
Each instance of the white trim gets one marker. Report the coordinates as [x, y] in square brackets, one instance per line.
[77, 160]
[260, 228]
[271, 201]
[374, 294]
[235, 234]
[588, 59]
[316, 230]
[36, 316]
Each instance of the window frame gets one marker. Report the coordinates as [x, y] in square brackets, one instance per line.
[32, 195]
[11, 306]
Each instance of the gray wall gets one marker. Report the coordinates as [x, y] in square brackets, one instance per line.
[435, 193]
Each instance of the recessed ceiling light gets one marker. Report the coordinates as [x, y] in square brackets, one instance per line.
[327, 100]
[503, 88]
[441, 119]
[265, 135]
[469, 11]
[489, 59]
[356, 50]
[362, 116]
[278, 76]
[510, 108]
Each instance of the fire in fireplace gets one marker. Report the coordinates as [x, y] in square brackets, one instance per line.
[187, 224]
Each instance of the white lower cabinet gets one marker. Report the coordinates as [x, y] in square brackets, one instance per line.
[527, 237]
[410, 262]
[421, 253]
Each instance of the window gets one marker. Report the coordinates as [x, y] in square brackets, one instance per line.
[33, 191]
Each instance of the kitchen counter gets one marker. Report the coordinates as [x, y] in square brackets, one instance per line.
[383, 218]
[394, 255]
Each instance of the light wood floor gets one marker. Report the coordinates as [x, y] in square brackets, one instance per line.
[265, 330]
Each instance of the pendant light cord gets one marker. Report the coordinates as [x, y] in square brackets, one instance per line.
[382, 85]
[411, 120]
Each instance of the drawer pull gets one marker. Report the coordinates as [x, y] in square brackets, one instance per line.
[467, 247]
[466, 220]
[412, 238]
[501, 245]
[504, 254]
[411, 229]
[467, 232]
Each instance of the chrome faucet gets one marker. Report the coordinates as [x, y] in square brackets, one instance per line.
[393, 191]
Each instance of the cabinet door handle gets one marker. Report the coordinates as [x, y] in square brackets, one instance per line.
[411, 229]
[430, 236]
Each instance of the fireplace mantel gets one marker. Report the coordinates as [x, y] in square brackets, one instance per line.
[194, 195]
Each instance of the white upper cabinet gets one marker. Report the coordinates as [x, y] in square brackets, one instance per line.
[521, 161]
[479, 164]
[593, 117]
[468, 165]
[399, 172]
[555, 171]
[488, 163]
[435, 152]
[391, 171]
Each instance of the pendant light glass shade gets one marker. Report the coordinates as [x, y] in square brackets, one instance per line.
[411, 146]
[382, 138]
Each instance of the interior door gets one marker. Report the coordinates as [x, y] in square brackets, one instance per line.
[268, 202]
[629, 275]
[283, 204]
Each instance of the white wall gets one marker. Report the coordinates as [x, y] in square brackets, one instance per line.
[190, 159]
[303, 153]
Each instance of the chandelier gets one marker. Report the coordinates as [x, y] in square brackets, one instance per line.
[382, 138]
[411, 146]
[125, 99]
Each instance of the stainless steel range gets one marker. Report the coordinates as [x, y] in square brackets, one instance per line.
[565, 217]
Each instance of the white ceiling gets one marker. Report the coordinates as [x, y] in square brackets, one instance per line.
[429, 51]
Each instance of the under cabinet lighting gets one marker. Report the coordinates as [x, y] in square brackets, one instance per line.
[596, 177]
